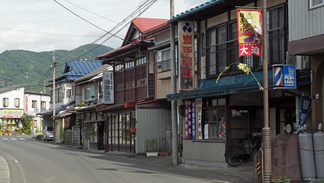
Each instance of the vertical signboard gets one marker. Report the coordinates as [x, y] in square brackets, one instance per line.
[26, 105]
[193, 119]
[249, 32]
[108, 87]
[189, 118]
[186, 120]
[198, 120]
[186, 55]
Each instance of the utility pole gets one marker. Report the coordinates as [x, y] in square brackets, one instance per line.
[173, 90]
[266, 131]
[53, 97]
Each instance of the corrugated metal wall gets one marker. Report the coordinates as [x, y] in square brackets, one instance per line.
[304, 22]
[152, 123]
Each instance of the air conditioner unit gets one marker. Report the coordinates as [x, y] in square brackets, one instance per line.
[300, 62]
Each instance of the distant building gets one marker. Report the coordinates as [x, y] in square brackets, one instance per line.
[33, 103]
[11, 107]
[64, 96]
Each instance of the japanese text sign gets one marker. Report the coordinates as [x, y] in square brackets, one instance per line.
[249, 32]
[186, 55]
[108, 87]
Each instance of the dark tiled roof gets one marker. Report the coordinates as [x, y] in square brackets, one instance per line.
[9, 88]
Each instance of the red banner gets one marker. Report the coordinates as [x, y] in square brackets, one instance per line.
[249, 32]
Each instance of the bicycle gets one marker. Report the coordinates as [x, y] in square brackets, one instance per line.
[234, 154]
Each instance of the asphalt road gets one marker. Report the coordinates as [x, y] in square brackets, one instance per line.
[37, 161]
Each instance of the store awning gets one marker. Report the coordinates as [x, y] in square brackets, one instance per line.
[242, 83]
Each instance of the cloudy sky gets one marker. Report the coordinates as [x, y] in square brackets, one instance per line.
[46, 25]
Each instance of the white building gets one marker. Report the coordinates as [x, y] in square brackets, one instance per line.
[34, 103]
[11, 107]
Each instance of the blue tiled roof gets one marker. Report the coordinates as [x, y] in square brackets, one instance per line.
[76, 69]
[195, 9]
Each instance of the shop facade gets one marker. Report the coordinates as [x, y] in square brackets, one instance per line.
[226, 105]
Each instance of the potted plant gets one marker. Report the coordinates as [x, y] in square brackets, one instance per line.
[163, 147]
[151, 147]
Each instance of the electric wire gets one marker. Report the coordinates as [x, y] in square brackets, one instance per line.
[150, 3]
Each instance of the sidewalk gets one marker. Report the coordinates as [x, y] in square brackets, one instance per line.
[241, 174]
[4, 171]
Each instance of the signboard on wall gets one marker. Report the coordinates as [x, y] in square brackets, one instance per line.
[186, 55]
[108, 87]
[284, 76]
[13, 113]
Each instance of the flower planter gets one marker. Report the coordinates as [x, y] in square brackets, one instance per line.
[150, 154]
[164, 154]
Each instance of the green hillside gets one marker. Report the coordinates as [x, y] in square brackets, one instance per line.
[27, 67]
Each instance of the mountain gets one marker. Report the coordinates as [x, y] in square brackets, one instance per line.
[27, 67]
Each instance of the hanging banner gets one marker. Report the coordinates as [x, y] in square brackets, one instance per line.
[304, 110]
[186, 55]
[193, 119]
[249, 32]
[198, 119]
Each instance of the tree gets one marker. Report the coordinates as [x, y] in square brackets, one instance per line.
[26, 123]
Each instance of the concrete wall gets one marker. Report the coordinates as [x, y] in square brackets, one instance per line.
[205, 153]
[285, 159]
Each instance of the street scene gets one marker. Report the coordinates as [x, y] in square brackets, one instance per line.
[162, 91]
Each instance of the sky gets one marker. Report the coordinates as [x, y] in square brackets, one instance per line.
[47, 25]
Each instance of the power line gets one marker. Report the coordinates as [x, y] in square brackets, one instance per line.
[147, 4]
[87, 20]
[90, 11]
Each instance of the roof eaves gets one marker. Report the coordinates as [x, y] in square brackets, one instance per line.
[194, 10]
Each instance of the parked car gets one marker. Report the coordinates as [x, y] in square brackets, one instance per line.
[48, 133]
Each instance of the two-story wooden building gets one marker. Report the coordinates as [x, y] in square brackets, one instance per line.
[134, 113]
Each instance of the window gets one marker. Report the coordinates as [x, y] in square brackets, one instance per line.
[163, 60]
[43, 106]
[222, 50]
[68, 93]
[315, 3]
[5, 102]
[119, 81]
[34, 103]
[214, 120]
[141, 75]
[17, 102]
[277, 34]
[58, 95]
[129, 78]
[90, 92]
